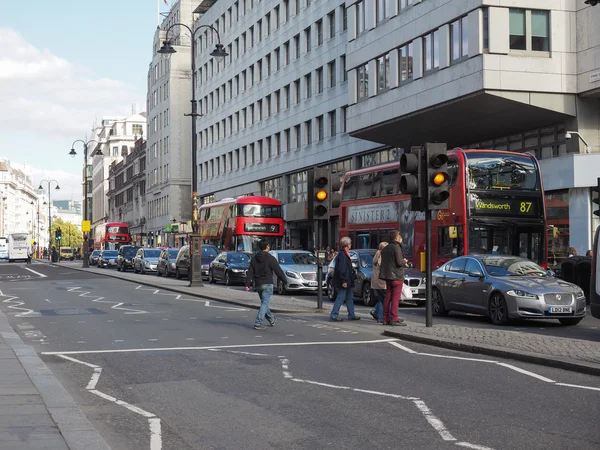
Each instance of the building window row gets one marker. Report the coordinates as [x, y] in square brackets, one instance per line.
[158, 207]
[382, 11]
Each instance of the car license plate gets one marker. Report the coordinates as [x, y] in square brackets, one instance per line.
[560, 310]
[414, 291]
[312, 283]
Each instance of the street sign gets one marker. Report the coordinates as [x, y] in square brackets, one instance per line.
[85, 226]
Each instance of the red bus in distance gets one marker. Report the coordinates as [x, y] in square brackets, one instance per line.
[111, 236]
[496, 206]
[237, 224]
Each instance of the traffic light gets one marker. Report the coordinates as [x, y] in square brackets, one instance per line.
[411, 177]
[319, 194]
[58, 234]
[596, 200]
[437, 176]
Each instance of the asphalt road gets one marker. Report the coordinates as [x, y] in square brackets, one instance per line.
[152, 369]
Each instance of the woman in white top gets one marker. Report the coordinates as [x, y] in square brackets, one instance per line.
[378, 286]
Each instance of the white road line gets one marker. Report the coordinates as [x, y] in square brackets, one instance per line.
[119, 340]
[170, 349]
[461, 358]
[93, 366]
[436, 423]
[155, 433]
[347, 388]
[240, 353]
[189, 339]
[153, 340]
[41, 275]
[402, 347]
[473, 446]
[578, 386]
[47, 300]
[94, 380]
[526, 372]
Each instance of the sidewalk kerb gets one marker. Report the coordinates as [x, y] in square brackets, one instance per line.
[557, 362]
[78, 432]
[194, 294]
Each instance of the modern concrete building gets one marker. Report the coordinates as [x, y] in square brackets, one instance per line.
[127, 191]
[351, 84]
[116, 137]
[169, 130]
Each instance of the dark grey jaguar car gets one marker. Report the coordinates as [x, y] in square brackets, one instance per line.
[503, 288]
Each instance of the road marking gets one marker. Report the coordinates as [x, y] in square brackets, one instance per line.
[110, 320]
[153, 340]
[289, 335]
[578, 386]
[462, 358]
[119, 340]
[155, 433]
[240, 353]
[81, 342]
[41, 275]
[402, 347]
[526, 372]
[47, 300]
[170, 349]
[473, 446]
[194, 318]
[189, 339]
[94, 380]
[347, 388]
[17, 305]
[285, 367]
[436, 423]
[225, 337]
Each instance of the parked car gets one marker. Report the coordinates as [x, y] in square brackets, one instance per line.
[146, 260]
[125, 258]
[362, 262]
[66, 254]
[107, 258]
[503, 288]
[94, 257]
[166, 262]
[300, 268]
[229, 267]
[182, 264]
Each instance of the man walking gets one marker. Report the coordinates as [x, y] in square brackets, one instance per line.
[343, 282]
[392, 271]
[260, 273]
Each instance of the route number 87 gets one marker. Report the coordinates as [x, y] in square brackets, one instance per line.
[525, 207]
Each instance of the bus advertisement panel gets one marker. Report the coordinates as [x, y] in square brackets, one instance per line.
[238, 224]
[496, 206]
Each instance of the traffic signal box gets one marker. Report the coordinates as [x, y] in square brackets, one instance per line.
[596, 199]
[323, 194]
[437, 176]
[411, 179]
[58, 234]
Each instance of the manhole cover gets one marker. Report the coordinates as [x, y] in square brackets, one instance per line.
[71, 312]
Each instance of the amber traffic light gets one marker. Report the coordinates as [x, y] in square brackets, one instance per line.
[437, 176]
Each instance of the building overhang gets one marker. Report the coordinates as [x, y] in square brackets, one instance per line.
[476, 117]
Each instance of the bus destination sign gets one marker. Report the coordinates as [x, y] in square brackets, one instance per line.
[261, 228]
[514, 207]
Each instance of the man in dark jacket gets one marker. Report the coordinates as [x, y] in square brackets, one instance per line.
[260, 273]
[392, 271]
[343, 282]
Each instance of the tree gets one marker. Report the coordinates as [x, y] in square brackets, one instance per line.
[71, 236]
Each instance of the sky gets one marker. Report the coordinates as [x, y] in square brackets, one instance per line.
[64, 64]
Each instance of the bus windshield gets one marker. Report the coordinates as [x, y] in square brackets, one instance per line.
[272, 211]
[492, 171]
[19, 237]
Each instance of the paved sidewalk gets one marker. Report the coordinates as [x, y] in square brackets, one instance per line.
[36, 412]
[570, 354]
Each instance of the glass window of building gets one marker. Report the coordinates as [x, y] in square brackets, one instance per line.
[343, 67]
[297, 187]
[363, 81]
[320, 131]
[332, 124]
[319, 73]
[344, 17]
[360, 16]
[383, 72]
[286, 53]
[297, 46]
[517, 29]
[540, 31]
[331, 20]
[332, 75]
[307, 38]
[298, 134]
[308, 85]
[381, 10]
[308, 131]
[319, 26]
[297, 91]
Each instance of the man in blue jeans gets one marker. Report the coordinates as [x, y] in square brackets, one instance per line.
[343, 282]
[260, 273]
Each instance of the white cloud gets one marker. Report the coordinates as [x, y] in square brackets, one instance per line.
[50, 96]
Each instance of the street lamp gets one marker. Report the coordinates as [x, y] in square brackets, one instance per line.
[41, 188]
[219, 52]
[73, 153]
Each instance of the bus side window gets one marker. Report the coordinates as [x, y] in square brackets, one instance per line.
[376, 184]
[450, 247]
[390, 182]
[364, 186]
[452, 171]
[349, 189]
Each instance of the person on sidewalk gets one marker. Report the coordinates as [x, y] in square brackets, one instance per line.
[392, 271]
[260, 274]
[378, 286]
[343, 282]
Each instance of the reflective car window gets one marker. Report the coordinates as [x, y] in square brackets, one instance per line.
[473, 266]
[457, 265]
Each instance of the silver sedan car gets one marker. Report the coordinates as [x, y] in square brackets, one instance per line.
[503, 288]
[300, 268]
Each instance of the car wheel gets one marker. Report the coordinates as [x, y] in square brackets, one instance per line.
[281, 290]
[135, 269]
[177, 274]
[366, 294]
[142, 271]
[498, 309]
[211, 278]
[227, 278]
[330, 291]
[437, 303]
[158, 274]
[570, 321]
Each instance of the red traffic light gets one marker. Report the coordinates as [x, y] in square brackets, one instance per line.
[321, 181]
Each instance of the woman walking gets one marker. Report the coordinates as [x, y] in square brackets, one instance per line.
[378, 286]
[392, 271]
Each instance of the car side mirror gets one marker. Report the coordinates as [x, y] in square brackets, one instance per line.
[475, 274]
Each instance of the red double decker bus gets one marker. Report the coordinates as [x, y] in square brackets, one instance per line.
[237, 224]
[111, 236]
[496, 206]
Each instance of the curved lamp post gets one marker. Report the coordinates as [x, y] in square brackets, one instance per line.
[49, 183]
[219, 52]
[72, 154]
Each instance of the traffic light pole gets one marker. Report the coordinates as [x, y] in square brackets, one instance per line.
[428, 271]
[319, 266]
